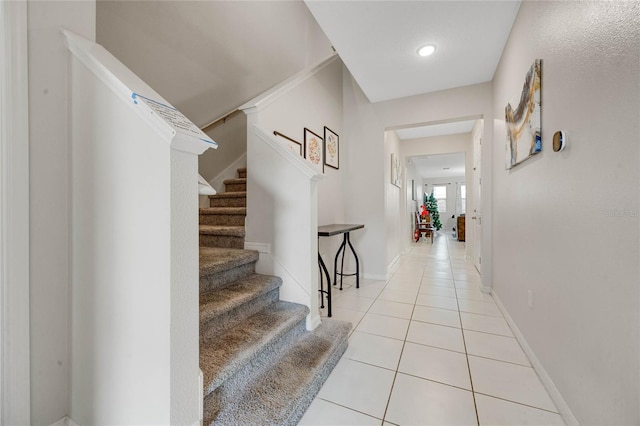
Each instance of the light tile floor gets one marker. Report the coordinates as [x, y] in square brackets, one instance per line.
[429, 348]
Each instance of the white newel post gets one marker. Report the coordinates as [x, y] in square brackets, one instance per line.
[134, 239]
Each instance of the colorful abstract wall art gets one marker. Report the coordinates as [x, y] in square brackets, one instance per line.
[523, 124]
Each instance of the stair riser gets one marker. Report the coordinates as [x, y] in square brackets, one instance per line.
[222, 219]
[315, 387]
[225, 241]
[242, 175]
[224, 278]
[214, 326]
[232, 387]
[235, 187]
[228, 202]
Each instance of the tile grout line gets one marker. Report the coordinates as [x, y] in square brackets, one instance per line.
[464, 342]
[404, 343]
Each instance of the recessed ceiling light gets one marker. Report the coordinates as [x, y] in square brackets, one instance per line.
[426, 50]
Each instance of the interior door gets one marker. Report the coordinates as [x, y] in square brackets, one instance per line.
[476, 217]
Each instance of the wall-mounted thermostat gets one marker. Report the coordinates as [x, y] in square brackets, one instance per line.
[559, 141]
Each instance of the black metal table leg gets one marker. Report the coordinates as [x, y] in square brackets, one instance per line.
[324, 270]
[335, 262]
[357, 262]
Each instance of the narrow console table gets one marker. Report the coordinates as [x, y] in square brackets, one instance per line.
[330, 231]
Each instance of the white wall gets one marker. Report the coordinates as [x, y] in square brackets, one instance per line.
[231, 136]
[394, 198]
[314, 104]
[222, 53]
[49, 201]
[365, 186]
[411, 205]
[566, 224]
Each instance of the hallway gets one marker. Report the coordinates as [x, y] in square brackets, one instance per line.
[428, 348]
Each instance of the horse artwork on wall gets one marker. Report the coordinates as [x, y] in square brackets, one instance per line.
[523, 125]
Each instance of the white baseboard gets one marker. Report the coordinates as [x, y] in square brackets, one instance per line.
[65, 421]
[554, 393]
[259, 247]
[62, 422]
[313, 321]
[393, 266]
[377, 277]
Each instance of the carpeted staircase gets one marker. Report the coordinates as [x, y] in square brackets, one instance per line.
[260, 365]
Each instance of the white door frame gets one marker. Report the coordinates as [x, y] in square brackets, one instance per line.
[476, 255]
[15, 401]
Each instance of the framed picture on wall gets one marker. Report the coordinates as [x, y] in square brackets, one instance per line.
[331, 148]
[313, 149]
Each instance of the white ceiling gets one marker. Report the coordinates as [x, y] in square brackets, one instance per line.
[378, 40]
[436, 130]
[432, 166]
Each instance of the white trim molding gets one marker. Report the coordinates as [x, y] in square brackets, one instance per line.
[554, 393]
[263, 100]
[15, 399]
[65, 421]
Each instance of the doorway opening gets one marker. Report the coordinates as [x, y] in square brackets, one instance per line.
[443, 158]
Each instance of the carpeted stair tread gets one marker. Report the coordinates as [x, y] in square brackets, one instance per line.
[281, 395]
[235, 194]
[224, 210]
[228, 231]
[232, 350]
[216, 259]
[234, 181]
[242, 170]
[222, 301]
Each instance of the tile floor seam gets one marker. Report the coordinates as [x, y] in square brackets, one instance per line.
[395, 375]
[519, 403]
[500, 360]
[466, 352]
[349, 408]
[436, 381]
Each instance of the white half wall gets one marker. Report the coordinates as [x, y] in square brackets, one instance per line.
[121, 272]
[289, 111]
[134, 251]
[566, 225]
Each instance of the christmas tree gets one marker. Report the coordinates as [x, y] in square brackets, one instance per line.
[431, 204]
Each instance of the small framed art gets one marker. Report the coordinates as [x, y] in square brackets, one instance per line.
[331, 148]
[313, 149]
